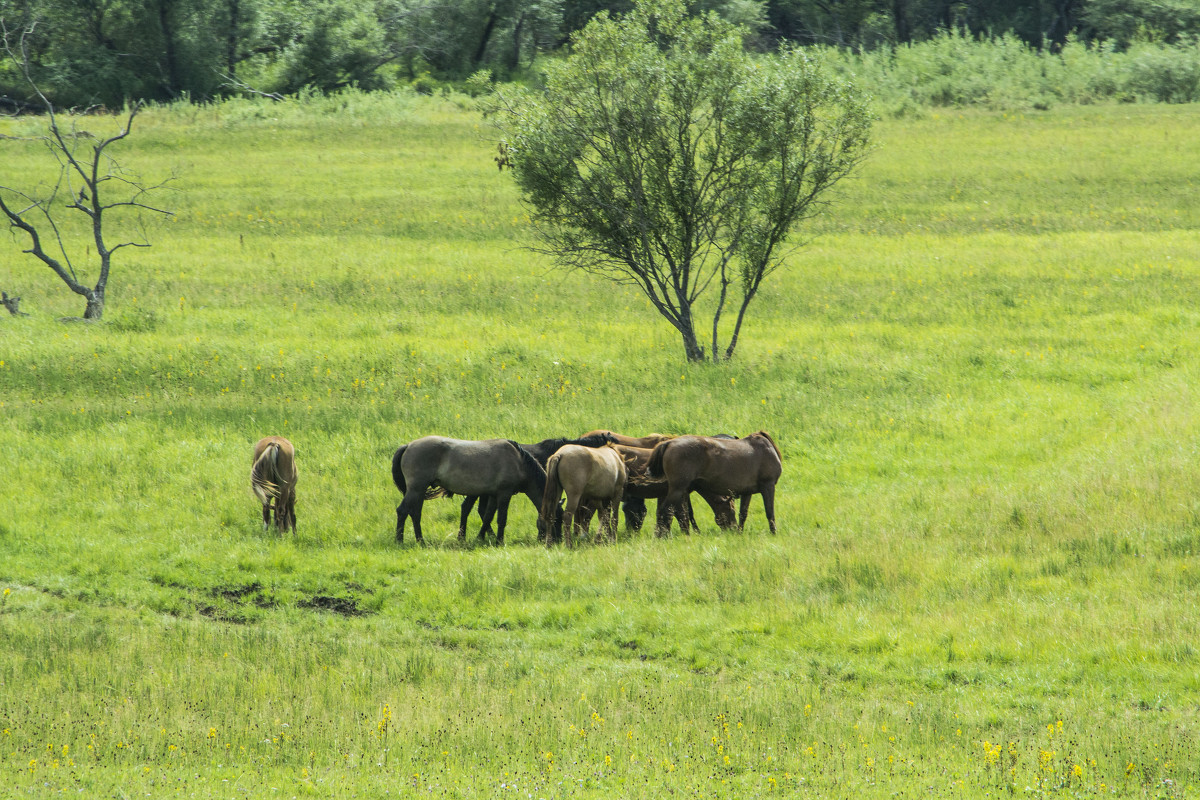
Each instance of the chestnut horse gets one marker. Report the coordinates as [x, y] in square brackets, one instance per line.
[273, 478]
[741, 467]
[593, 475]
[435, 466]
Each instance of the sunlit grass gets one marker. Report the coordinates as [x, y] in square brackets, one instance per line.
[980, 373]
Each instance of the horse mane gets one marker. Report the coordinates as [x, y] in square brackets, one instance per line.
[767, 436]
[548, 447]
[532, 466]
[597, 440]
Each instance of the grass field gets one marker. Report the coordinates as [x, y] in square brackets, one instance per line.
[981, 373]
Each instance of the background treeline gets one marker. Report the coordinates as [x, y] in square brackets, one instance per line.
[85, 52]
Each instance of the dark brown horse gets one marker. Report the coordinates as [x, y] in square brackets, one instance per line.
[435, 466]
[641, 487]
[273, 481]
[592, 475]
[742, 467]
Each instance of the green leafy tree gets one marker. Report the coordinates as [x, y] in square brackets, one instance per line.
[661, 154]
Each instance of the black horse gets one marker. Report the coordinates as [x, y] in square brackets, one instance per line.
[435, 466]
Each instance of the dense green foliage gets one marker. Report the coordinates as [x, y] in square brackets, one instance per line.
[981, 374]
[954, 70]
[85, 52]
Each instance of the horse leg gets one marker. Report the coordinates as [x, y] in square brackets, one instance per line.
[768, 496]
[467, 504]
[608, 521]
[743, 511]
[662, 518]
[266, 515]
[569, 522]
[683, 514]
[487, 512]
[584, 514]
[690, 522]
[635, 513]
[410, 507]
[291, 512]
[501, 519]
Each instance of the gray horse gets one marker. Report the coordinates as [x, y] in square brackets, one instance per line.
[435, 466]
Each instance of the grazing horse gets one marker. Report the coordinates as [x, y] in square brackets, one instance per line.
[741, 467]
[541, 451]
[635, 506]
[586, 474]
[273, 477]
[639, 488]
[435, 466]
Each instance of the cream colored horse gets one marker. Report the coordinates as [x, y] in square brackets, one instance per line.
[273, 477]
[588, 475]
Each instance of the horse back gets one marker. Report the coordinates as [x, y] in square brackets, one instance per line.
[650, 440]
[589, 471]
[720, 465]
[467, 467]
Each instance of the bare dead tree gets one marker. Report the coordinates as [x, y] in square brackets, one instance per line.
[92, 183]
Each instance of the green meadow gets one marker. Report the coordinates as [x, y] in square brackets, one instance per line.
[981, 370]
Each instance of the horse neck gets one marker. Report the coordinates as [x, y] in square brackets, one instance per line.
[534, 490]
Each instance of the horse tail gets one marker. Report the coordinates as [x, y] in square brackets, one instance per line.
[552, 491]
[654, 468]
[264, 475]
[397, 473]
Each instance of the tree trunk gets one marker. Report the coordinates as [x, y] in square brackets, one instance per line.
[231, 38]
[691, 345]
[514, 59]
[900, 18]
[95, 305]
[486, 38]
[168, 33]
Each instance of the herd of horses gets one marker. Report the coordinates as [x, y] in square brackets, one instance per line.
[598, 472]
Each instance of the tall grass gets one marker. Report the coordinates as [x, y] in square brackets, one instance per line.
[981, 374]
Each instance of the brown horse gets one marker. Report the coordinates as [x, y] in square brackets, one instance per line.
[742, 467]
[588, 475]
[273, 477]
[641, 487]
